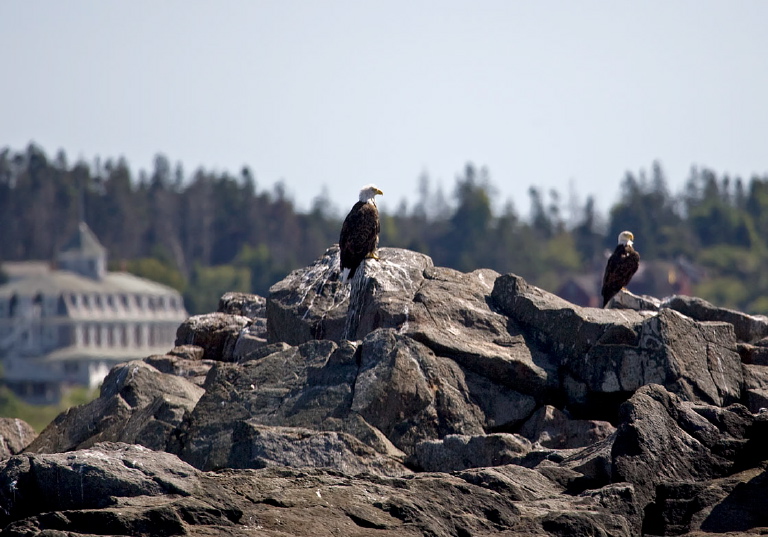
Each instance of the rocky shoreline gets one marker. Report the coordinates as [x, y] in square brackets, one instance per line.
[418, 401]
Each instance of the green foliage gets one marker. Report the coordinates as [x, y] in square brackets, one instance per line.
[209, 283]
[214, 232]
[263, 269]
[157, 270]
[39, 416]
[729, 261]
[725, 292]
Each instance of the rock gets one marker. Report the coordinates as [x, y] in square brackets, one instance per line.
[605, 355]
[697, 361]
[459, 452]
[250, 340]
[254, 335]
[753, 354]
[517, 483]
[755, 387]
[137, 404]
[317, 411]
[627, 300]
[410, 394]
[91, 479]
[129, 490]
[310, 303]
[259, 446]
[188, 352]
[563, 329]
[748, 328]
[552, 428]
[382, 295]
[305, 387]
[729, 505]
[662, 439]
[192, 369]
[15, 435]
[483, 340]
[217, 333]
[243, 304]
[594, 463]
[620, 499]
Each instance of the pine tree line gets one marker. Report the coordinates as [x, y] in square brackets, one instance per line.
[213, 232]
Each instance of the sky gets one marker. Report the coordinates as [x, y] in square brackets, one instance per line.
[327, 96]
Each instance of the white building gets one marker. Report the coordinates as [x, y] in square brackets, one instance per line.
[68, 326]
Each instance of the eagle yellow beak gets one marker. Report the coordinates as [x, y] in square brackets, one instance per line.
[379, 192]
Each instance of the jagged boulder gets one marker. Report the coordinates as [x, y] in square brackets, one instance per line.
[411, 395]
[318, 410]
[564, 330]
[137, 404]
[260, 446]
[627, 300]
[254, 335]
[553, 428]
[696, 360]
[118, 489]
[311, 303]
[217, 333]
[185, 361]
[756, 387]
[309, 387]
[664, 439]
[244, 304]
[452, 314]
[15, 435]
[733, 505]
[459, 452]
[605, 355]
[747, 328]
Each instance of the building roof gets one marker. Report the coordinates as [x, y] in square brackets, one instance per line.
[55, 282]
[114, 354]
[83, 242]
[16, 270]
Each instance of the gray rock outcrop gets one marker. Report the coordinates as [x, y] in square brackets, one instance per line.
[418, 400]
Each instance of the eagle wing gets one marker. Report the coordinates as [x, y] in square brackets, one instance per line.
[619, 270]
[359, 235]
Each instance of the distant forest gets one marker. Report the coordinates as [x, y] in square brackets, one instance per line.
[210, 232]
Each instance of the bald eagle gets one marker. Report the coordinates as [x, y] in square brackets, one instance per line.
[360, 232]
[621, 266]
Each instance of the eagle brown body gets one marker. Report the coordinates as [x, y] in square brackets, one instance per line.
[359, 233]
[620, 268]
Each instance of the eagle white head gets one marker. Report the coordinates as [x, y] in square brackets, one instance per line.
[626, 237]
[368, 192]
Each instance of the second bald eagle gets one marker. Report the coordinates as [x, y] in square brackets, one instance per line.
[621, 266]
[360, 232]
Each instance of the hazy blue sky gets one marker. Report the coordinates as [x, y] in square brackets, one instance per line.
[336, 94]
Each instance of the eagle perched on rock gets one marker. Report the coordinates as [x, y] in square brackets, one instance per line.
[621, 266]
[360, 232]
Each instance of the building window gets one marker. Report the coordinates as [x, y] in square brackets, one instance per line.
[49, 336]
[37, 305]
[91, 338]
